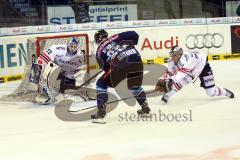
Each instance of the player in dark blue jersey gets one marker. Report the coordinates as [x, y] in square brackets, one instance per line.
[120, 60]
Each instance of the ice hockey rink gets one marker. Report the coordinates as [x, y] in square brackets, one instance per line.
[29, 131]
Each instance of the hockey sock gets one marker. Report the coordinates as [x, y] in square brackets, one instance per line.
[102, 95]
[221, 92]
[216, 91]
[102, 98]
[139, 94]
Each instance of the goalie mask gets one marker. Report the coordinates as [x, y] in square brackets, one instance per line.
[73, 45]
[100, 36]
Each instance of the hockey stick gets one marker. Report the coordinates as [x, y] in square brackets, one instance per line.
[114, 101]
[91, 78]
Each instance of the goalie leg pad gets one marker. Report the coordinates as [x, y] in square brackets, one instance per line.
[53, 81]
[46, 90]
[50, 78]
[47, 94]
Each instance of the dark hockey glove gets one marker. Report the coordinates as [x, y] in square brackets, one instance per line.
[164, 85]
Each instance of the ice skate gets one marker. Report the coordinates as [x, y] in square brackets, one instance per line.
[164, 100]
[42, 99]
[100, 116]
[144, 111]
[229, 93]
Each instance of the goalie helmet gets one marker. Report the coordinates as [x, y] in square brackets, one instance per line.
[73, 45]
[100, 35]
[175, 50]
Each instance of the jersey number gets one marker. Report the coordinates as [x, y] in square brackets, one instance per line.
[49, 51]
[195, 53]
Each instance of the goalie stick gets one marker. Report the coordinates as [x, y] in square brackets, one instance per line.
[114, 101]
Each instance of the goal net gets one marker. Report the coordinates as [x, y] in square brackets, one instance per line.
[27, 91]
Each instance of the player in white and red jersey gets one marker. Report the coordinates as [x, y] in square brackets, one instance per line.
[68, 59]
[68, 56]
[183, 67]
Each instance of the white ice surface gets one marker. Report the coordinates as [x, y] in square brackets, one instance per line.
[32, 132]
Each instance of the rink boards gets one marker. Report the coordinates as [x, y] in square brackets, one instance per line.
[219, 41]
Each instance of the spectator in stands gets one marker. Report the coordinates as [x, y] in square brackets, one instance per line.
[81, 10]
[168, 9]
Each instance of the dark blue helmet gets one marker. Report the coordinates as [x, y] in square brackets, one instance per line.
[74, 41]
[100, 35]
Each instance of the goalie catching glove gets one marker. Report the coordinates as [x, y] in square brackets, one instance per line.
[164, 85]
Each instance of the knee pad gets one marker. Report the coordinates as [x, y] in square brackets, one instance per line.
[211, 91]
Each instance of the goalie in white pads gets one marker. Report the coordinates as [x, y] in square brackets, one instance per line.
[60, 62]
[183, 67]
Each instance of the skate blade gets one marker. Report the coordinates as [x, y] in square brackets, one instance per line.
[99, 121]
[146, 115]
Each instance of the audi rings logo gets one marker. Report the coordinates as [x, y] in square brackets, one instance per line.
[207, 40]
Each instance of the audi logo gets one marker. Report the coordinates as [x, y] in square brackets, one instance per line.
[207, 40]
